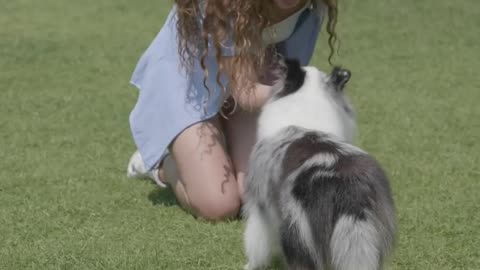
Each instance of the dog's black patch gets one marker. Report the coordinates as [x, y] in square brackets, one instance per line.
[296, 253]
[304, 148]
[294, 79]
[352, 165]
[329, 195]
[367, 174]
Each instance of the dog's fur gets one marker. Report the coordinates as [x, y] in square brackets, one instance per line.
[311, 195]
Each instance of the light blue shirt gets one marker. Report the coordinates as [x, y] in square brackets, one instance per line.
[170, 100]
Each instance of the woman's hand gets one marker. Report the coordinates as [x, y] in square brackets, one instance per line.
[254, 99]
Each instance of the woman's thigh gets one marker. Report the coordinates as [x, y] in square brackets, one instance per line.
[240, 132]
[205, 176]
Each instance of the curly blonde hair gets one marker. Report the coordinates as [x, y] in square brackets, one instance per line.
[224, 19]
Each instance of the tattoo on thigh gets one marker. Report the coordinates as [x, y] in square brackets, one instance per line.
[209, 137]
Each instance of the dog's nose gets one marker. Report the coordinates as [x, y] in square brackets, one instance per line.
[340, 77]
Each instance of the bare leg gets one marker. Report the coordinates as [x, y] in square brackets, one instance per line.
[201, 172]
[240, 132]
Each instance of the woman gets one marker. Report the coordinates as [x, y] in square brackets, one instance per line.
[208, 57]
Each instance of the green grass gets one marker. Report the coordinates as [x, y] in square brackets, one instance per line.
[65, 202]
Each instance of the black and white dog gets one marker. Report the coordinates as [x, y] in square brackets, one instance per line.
[311, 195]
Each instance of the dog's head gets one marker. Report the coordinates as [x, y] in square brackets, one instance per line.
[309, 98]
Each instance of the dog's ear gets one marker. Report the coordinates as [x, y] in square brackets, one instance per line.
[339, 77]
[294, 77]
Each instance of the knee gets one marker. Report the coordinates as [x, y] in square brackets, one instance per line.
[217, 207]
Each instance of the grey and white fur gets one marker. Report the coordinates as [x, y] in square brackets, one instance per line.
[312, 198]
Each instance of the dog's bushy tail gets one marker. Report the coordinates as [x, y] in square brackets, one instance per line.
[350, 217]
[359, 244]
[351, 244]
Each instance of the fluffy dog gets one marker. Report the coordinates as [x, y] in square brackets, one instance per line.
[311, 196]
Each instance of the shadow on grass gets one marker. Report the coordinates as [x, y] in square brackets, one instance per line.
[163, 197]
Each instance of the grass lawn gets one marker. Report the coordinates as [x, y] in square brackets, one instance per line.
[65, 202]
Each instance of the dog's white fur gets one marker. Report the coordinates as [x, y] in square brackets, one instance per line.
[313, 107]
